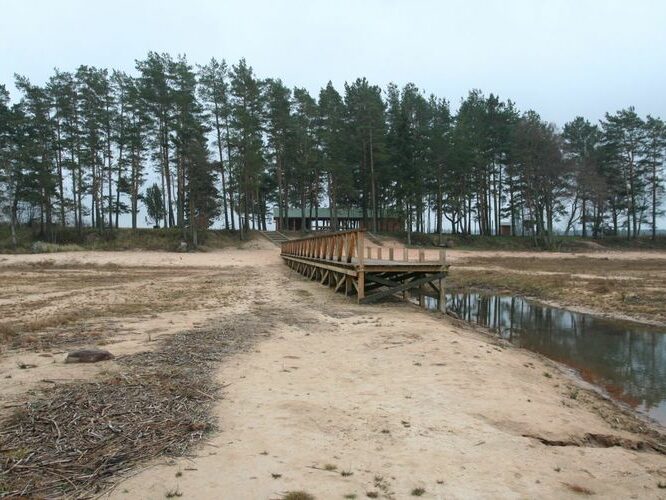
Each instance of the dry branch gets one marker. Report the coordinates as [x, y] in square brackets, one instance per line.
[73, 439]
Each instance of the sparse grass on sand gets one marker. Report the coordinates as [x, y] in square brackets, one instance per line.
[43, 302]
[635, 288]
[527, 243]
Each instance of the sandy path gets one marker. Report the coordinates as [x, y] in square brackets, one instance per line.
[397, 397]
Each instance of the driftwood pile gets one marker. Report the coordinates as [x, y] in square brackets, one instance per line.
[74, 438]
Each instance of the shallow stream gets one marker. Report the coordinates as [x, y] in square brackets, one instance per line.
[626, 359]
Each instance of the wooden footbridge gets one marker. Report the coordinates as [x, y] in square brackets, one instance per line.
[342, 261]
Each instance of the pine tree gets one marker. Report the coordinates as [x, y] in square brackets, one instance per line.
[306, 171]
[655, 155]
[581, 143]
[624, 135]
[367, 127]
[152, 199]
[247, 107]
[440, 152]
[11, 173]
[93, 89]
[157, 94]
[333, 140]
[36, 150]
[280, 134]
[197, 196]
[214, 92]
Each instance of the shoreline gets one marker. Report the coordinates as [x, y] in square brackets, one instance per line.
[573, 373]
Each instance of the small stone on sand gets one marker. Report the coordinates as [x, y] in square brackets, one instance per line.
[88, 356]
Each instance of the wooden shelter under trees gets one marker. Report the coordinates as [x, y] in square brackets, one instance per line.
[321, 219]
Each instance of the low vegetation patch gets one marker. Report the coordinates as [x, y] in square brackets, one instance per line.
[509, 243]
[71, 239]
[297, 495]
[634, 288]
[45, 305]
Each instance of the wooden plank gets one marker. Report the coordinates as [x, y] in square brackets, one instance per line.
[330, 267]
[442, 297]
[383, 281]
[360, 289]
[342, 279]
[405, 286]
[389, 268]
[360, 243]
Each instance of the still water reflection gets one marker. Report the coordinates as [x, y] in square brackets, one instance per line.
[625, 358]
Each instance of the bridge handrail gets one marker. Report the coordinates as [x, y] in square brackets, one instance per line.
[341, 246]
[348, 246]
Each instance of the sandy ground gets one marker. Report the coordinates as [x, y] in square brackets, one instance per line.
[340, 399]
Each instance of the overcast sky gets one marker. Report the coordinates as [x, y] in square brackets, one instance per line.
[561, 58]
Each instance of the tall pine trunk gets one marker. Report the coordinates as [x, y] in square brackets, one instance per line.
[373, 185]
[218, 131]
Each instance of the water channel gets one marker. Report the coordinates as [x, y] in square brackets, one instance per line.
[627, 359]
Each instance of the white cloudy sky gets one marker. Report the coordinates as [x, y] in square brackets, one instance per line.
[560, 57]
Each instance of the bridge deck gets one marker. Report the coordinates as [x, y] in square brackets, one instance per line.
[342, 261]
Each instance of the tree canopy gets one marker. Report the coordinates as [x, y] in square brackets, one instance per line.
[221, 145]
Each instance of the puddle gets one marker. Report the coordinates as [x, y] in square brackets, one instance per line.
[627, 359]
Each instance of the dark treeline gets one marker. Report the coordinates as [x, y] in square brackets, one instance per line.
[225, 146]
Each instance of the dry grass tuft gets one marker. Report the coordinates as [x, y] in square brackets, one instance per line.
[576, 488]
[7, 333]
[297, 495]
[174, 493]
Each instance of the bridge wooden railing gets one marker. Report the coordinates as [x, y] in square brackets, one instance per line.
[340, 246]
[342, 261]
[405, 254]
[349, 246]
